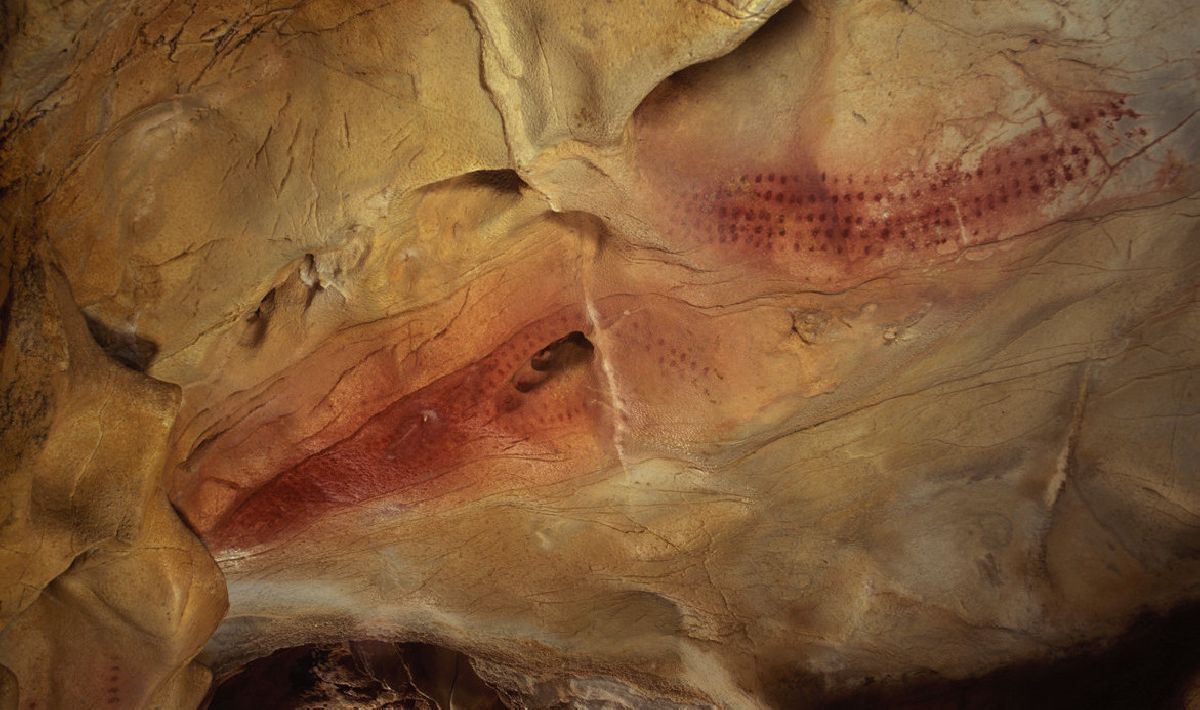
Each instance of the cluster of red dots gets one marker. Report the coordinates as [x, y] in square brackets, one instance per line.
[112, 694]
[852, 217]
[671, 356]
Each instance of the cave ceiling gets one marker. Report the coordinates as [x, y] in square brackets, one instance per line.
[626, 354]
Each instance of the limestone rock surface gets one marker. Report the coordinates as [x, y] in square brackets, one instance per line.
[644, 353]
[107, 596]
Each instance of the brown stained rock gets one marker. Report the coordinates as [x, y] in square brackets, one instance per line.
[647, 354]
[318, 87]
[107, 596]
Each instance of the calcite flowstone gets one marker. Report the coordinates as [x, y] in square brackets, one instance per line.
[645, 354]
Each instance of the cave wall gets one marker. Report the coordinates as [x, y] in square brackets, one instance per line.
[646, 353]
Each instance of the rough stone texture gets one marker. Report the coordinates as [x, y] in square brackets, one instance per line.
[360, 674]
[1148, 667]
[107, 596]
[649, 354]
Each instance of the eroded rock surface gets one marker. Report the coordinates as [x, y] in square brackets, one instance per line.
[108, 597]
[654, 354]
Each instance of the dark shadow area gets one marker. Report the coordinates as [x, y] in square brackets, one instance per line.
[125, 347]
[255, 328]
[375, 674]
[499, 180]
[568, 352]
[6, 311]
[1150, 667]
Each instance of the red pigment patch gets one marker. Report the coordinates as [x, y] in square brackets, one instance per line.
[836, 226]
[112, 688]
[525, 399]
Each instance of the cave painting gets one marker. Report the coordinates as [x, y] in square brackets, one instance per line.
[663, 355]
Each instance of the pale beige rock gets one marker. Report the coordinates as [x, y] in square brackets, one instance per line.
[574, 72]
[497, 327]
